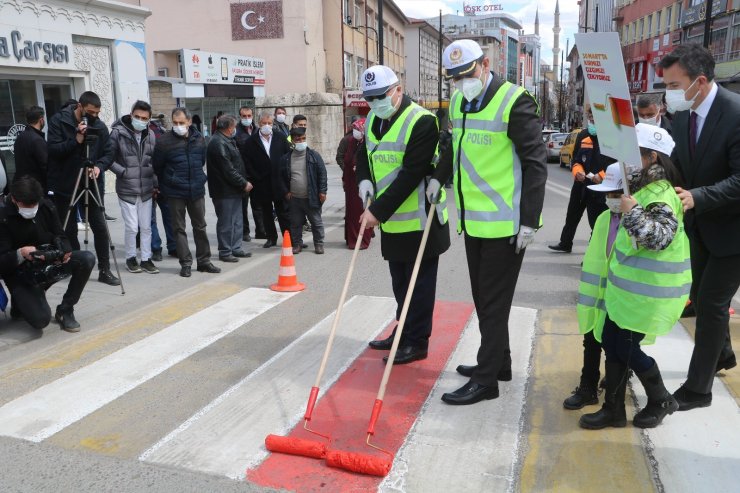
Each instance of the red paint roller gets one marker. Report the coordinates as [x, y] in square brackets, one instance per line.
[310, 448]
[366, 463]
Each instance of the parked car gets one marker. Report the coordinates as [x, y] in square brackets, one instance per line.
[547, 132]
[566, 150]
[554, 142]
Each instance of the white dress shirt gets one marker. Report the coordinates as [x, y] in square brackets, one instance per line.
[266, 142]
[703, 110]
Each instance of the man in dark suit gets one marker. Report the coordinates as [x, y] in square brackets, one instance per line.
[706, 128]
[31, 155]
[261, 154]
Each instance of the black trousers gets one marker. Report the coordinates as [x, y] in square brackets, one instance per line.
[715, 282]
[591, 361]
[623, 346]
[96, 218]
[494, 270]
[31, 302]
[259, 223]
[418, 327]
[281, 208]
[581, 199]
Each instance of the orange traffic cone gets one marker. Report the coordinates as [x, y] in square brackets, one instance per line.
[287, 278]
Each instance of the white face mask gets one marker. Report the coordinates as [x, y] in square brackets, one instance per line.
[356, 134]
[180, 130]
[613, 204]
[138, 125]
[675, 99]
[28, 213]
[280, 118]
[470, 87]
[246, 122]
[649, 121]
[301, 146]
[266, 130]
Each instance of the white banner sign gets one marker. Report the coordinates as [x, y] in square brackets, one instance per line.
[606, 85]
[204, 67]
[35, 48]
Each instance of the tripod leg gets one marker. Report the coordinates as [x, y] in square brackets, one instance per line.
[73, 201]
[98, 201]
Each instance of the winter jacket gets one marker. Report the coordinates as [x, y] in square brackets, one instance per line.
[31, 155]
[67, 156]
[260, 165]
[17, 232]
[226, 175]
[243, 133]
[315, 177]
[132, 161]
[178, 164]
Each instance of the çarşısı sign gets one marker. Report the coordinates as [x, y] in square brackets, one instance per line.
[35, 48]
[204, 67]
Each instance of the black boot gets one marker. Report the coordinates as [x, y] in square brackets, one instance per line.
[586, 393]
[660, 401]
[612, 413]
[66, 318]
[583, 395]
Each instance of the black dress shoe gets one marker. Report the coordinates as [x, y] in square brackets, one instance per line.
[209, 268]
[727, 363]
[470, 393]
[227, 258]
[407, 354]
[383, 344]
[688, 399]
[269, 243]
[185, 271]
[241, 254]
[504, 374]
[560, 248]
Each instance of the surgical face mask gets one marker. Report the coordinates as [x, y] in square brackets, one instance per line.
[675, 99]
[28, 212]
[470, 87]
[138, 125]
[180, 130]
[301, 146]
[356, 134]
[613, 204]
[266, 130]
[233, 133]
[246, 122]
[280, 118]
[649, 121]
[591, 128]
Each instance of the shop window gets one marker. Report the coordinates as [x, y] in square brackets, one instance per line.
[718, 44]
[735, 43]
[16, 96]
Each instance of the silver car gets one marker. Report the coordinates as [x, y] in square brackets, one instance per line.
[553, 143]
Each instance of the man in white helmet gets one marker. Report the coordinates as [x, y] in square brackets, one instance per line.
[393, 163]
[498, 164]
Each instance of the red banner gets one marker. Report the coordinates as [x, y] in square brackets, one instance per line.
[257, 20]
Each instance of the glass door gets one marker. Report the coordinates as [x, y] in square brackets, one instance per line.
[54, 95]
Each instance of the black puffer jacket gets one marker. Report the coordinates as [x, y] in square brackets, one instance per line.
[66, 155]
[132, 161]
[178, 163]
[315, 177]
[17, 232]
[31, 155]
[226, 175]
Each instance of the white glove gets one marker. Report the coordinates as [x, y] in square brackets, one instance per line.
[524, 238]
[433, 188]
[366, 192]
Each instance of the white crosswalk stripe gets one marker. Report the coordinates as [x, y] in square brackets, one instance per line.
[52, 407]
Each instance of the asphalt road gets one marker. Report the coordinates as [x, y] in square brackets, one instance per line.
[98, 456]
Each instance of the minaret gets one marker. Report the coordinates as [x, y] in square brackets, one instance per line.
[537, 22]
[556, 40]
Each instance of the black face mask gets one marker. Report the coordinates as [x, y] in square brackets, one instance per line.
[90, 119]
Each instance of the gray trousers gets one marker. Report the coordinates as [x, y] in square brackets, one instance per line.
[196, 209]
[229, 224]
[299, 210]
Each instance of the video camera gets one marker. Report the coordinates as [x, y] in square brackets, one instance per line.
[46, 268]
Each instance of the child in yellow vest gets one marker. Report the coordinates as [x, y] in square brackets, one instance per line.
[591, 310]
[648, 282]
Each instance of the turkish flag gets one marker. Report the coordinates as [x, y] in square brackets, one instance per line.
[257, 20]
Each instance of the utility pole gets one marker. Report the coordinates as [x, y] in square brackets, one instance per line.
[707, 23]
[439, 74]
[381, 57]
[585, 27]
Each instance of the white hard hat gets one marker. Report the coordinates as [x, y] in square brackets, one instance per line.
[461, 57]
[612, 180]
[654, 138]
[377, 80]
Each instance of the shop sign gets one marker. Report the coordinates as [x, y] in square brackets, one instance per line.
[204, 67]
[24, 47]
[483, 9]
[353, 99]
[697, 13]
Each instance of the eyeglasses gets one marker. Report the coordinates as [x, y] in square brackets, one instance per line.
[380, 97]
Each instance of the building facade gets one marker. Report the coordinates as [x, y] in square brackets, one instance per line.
[53, 51]
[423, 49]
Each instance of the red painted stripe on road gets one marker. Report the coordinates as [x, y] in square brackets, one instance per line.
[344, 411]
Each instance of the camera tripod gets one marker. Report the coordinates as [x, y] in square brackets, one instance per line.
[94, 195]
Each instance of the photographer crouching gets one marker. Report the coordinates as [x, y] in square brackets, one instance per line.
[35, 253]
